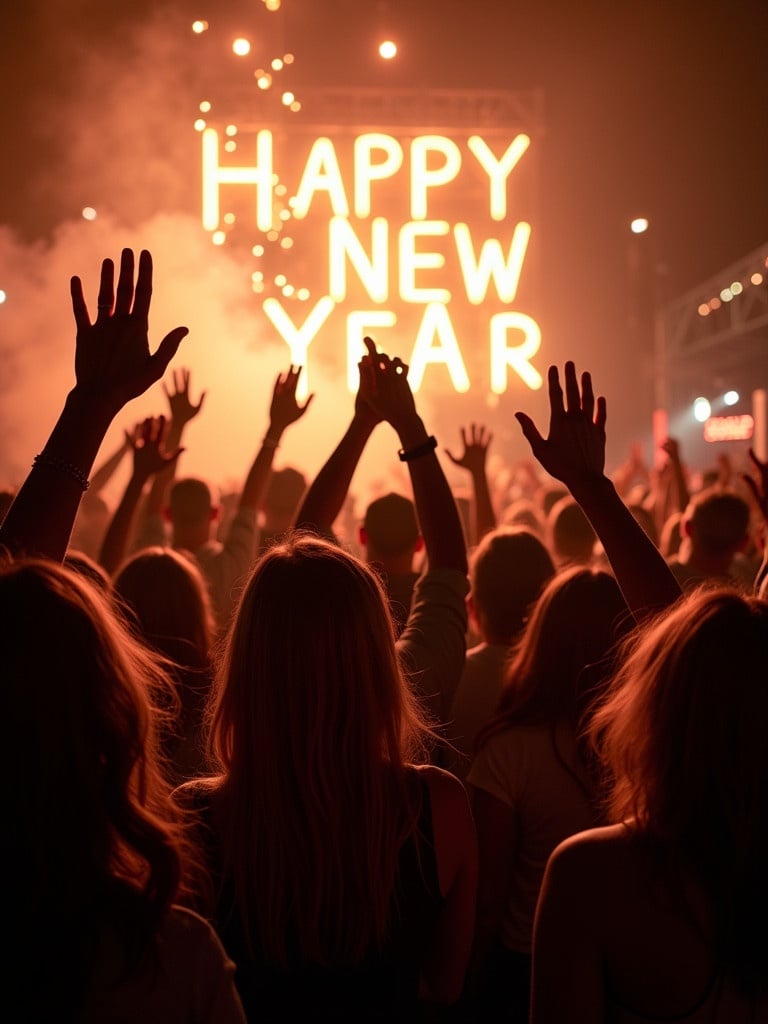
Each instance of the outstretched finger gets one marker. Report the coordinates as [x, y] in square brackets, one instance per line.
[106, 297]
[572, 396]
[530, 431]
[587, 396]
[79, 308]
[602, 413]
[370, 345]
[166, 350]
[555, 393]
[143, 285]
[124, 298]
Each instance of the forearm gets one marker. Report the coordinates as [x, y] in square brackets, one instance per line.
[642, 573]
[115, 541]
[485, 516]
[42, 515]
[256, 481]
[327, 493]
[435, 504]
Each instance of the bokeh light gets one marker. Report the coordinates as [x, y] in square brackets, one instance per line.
[387, 49]
[241, 47]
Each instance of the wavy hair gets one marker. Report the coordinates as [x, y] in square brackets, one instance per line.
[561, 661]
[314, 725]
[93, 835]
[683, 733]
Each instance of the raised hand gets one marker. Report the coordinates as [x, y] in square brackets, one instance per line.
[475, 442]
[183, 409]
[284, 409]
[364, 408]
[574, 451]
[758, 483]
[148, 444]
[113, 362]
[384, 383]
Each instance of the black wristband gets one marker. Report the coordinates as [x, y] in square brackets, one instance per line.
[415, 453]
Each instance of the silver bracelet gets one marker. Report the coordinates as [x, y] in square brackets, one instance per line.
[54, 462]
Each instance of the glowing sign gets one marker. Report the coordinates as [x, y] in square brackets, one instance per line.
[426, 262]
[729, 428]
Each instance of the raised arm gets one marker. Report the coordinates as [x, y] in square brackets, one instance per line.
[182, 410]
[758, 486]
[113, 364]
[574, 453]
[476, 442]
[283, 411]
[390, 396]
[149, 458]
[325, 497]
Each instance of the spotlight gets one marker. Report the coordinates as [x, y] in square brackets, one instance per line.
[731, 397]
[701, 410]
[638, 226]
[387, 49]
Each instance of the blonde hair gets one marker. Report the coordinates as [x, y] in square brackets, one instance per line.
[313, 724]
[683, 734]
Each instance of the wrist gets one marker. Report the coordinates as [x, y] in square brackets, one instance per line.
[411, 432]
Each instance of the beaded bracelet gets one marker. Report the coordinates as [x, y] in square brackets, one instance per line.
[415, 453]
[54, 462]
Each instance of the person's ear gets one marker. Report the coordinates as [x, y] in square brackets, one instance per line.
[166, 514]
[362, 536]
[686, 528]
[214, 513]
[419, 544]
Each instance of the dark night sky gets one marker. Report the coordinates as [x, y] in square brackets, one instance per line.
[656, 108]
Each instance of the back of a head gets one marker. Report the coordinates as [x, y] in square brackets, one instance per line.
[89, 569]
[719, 521]
[166, 596]
[81, 781]
[564, 653]
[570, 533]
[526, 513]
[190, 502]
[284, 492]
[391, 526]
[313, 724]
[683, 735]
[508, 570]
[310, 660]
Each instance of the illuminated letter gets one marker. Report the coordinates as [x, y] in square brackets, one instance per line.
[321, 174]
[436, 322]
[411, 261]
[373, 272]
[518, 357]
[366, 171]
[215, 175]
[298, 339]
[477, 273]
[498, 170]
[359, 323]
[422, 178]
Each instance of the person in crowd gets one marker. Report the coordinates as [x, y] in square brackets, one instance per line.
[391, 541]
[165, 598]
[432, 645]
[532, 781]
[507, 572]
[345, 866]
[285, 489]
[659, 915]
[95, 846]
[191, 505]
[715, 528]
[476, 442]
[570, 535]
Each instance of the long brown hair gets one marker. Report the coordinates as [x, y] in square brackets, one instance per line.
[683, 733]
[314, 726]
[92, 832]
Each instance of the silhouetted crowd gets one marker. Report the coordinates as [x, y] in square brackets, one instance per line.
[454, 758]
